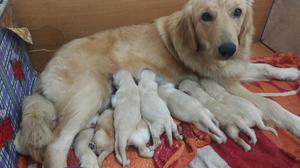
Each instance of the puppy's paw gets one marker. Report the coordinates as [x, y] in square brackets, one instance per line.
[125, 163]
[119, 159]
[179, 137]
[147, 152]
[89, 161]
[244, 145]
[152, 148]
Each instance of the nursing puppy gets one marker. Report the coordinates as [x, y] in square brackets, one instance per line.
[186, 108]
[83, 152]
[227, 114]
[155, 111]
[127, 117]
[104, 137]
[251, 115]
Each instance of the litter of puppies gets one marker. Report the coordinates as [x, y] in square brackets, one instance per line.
[142, 111]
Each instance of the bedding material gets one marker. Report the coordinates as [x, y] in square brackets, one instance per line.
[197, 150]
[16, 81]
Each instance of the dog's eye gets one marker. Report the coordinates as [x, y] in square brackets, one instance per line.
[207, 17]
[237, 12]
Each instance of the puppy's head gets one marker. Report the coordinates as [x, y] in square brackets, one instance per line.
[218, 29]
[188, 85]
[167, 85]
[119, 76]
[146, 74]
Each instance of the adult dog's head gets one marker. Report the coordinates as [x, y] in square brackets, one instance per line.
[209, 36]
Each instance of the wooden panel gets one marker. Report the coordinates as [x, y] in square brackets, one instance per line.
[282, 29]
[262, 9]
[54, 22]
[259, 49]
[40, 59]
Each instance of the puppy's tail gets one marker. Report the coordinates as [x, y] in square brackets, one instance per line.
[120, 149]
[36, 125]
[168, 128]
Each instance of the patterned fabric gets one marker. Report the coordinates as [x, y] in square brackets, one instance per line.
[16, 80]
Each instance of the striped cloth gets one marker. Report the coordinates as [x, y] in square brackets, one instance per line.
[197, 150]
[16, 80]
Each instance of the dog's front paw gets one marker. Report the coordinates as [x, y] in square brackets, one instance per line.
[289, 74]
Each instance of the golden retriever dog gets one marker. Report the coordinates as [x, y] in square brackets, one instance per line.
[208, 38]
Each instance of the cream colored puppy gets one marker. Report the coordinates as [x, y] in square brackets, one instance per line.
[248, 111]
[155, 111]
[82, 141]
[83, 152]
[226, 114]
[250, 114]
[186, 108]
[127, 117]
[105, 135]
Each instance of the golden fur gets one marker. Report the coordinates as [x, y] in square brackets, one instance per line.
[77, 79]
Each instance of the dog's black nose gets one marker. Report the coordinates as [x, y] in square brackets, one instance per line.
[227, 49]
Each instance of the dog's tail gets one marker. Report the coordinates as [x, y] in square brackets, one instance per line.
[36, 125]
[168, 128]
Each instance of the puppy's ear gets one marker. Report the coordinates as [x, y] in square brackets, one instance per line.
[187, 32]
[247, 29]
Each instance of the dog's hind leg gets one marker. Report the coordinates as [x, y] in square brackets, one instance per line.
[103, 155]
[248, 131]
[121, 150]
[155, 130]
[140, 138]
[214, 129]
[272, 111]
[168, 129]
[206, 130]
[117, 151]
[86, 156]
[233, 133]
[175, 131]
[260, 124]
[73, 116]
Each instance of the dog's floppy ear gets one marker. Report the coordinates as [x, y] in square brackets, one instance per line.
[187, 31]
[247, 30]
